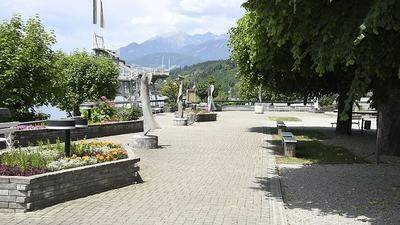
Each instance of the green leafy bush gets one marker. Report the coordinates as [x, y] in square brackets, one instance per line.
[128, 114]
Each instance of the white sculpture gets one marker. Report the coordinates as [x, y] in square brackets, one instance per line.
[149, 123]
[210, 100]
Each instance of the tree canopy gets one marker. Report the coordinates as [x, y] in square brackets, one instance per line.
[85, 77]
[321, 47]
[26, 66]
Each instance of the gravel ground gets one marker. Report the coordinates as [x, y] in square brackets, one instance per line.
[342, 194]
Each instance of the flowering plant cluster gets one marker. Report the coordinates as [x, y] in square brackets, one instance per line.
[45, 158]
[108, 112]
[87, 153]
[30, 127]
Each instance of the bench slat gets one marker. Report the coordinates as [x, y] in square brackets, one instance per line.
[287, 134]
[289, 139]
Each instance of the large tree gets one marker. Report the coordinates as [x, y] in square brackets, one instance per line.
[354, 42]
[265, 58]
[378, 56]
[85, 77]
[26, 66]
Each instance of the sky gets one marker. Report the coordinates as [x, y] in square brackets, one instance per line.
[126, 21]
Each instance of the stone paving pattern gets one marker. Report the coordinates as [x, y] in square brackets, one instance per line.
[208, 173]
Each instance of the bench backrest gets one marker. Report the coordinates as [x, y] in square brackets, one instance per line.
[280, 123]
[287, 134]
[289, 139]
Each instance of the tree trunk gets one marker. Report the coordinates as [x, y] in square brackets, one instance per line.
[388, 135]
[344, 126]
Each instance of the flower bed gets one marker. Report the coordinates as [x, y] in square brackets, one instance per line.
[47, 157]
[34, 178]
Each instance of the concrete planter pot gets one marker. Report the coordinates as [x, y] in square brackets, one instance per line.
[206, 117]
[180, 121]
[259, 109]
[21, 194]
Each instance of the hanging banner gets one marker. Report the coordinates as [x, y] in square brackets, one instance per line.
[94, 11]
[101, 15]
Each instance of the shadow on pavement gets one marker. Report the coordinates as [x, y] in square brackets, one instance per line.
[339, 193]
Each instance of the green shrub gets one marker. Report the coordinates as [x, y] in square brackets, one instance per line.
[128, 114]
[24, 159]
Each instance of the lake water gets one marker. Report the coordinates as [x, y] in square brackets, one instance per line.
[54, 112]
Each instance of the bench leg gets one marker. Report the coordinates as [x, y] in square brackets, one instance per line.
[289, 149]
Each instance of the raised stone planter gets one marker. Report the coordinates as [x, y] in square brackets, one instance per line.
[21, 194]
[206, 117]
[29, 137]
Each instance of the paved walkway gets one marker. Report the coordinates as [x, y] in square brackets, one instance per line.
[208, 173]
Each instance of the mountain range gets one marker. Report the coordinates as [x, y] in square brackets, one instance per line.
[176, 49]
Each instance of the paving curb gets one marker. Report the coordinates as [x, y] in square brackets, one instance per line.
[275, 198]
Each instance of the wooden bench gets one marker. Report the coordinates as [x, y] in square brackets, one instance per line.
[286, 134]
[289, 144]
[6, 131]
[280, 125]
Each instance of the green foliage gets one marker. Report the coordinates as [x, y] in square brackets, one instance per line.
[327, 101]
[31, 157]
[85, 77]
[202, 88]
[107, 111]
[310, 150]
[128, 114]
[26, 66]
[343, 47]
[223, 71]
[170, 89]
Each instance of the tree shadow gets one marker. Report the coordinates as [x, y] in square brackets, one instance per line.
[260, 130]
[363, 193]
[343, 193]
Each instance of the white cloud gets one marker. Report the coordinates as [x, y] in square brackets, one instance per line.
[210, 5]
[126, 20]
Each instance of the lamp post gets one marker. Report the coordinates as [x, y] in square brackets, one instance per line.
[63, 124]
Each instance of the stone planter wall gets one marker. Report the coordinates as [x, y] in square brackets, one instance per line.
[31, 137]
[21, 194]
[206, 117]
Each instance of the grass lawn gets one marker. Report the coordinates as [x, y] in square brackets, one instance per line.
[284, 119]
[310, 150]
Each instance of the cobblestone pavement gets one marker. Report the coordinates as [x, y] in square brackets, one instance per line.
[208, 173]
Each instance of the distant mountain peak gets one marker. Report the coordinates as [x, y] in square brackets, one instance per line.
[184, 49]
